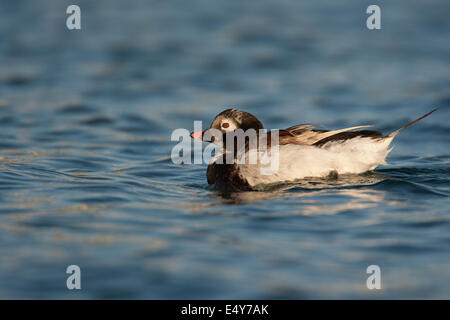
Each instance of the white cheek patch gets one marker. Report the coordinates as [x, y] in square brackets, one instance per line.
[232, 126]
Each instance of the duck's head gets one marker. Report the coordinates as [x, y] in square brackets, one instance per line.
[228, 121]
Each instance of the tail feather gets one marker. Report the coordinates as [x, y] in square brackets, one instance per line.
[393, 134]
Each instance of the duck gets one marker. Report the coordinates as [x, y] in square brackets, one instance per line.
[302, 151]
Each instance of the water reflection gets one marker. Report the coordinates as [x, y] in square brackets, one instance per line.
[306, 197]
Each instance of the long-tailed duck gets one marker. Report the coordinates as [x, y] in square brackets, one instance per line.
[302, 151]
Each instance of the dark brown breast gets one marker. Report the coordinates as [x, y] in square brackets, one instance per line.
[226, 176]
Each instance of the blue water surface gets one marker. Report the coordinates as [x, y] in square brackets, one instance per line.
[86, 176]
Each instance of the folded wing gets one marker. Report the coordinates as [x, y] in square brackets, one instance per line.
[305, 134]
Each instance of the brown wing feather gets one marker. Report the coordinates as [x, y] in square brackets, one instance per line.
[300, 128]
[349, 135]
[304, 135]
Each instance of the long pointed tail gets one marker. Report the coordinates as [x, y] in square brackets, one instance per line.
[393, 134]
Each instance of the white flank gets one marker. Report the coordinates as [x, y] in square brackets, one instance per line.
[355, 155]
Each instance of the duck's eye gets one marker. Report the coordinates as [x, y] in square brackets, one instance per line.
[225, 125]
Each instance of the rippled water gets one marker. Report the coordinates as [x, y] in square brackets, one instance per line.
[85, 170]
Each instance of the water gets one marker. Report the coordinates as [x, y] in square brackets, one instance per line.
[85, 170]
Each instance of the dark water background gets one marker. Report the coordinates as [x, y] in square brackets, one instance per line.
[85, 170]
